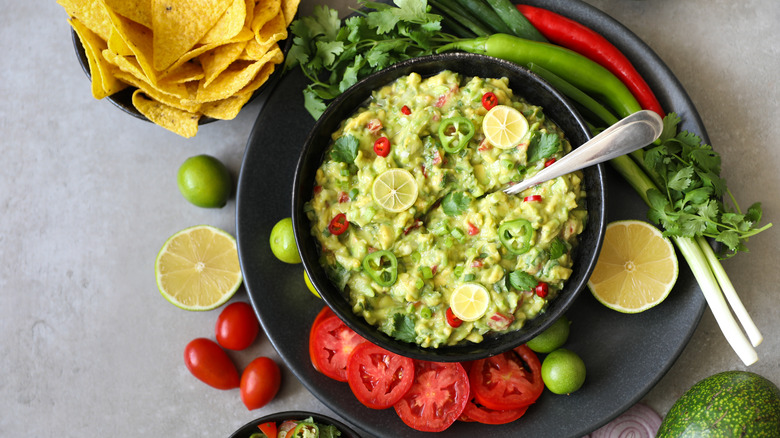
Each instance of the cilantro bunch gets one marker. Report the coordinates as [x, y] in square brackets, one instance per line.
[688, 199]
[335, 55]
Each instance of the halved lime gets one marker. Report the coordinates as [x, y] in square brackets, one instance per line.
[395, 190]
[469, 301]
[197, 268]
[504, 126]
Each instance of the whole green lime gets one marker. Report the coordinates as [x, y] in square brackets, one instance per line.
[563, 371]
[283, 242]
[205, 181]
[552, 338]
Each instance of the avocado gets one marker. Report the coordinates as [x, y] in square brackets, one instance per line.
[727, 404]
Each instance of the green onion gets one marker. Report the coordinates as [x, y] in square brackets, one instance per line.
[427, 272]
[469, 277]
[426, 312]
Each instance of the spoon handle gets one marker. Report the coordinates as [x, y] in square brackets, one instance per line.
[627, 135]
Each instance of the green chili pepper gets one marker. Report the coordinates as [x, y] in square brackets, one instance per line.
[574, 68]
[455, 133]
[382, 267]
[516, 236]
[303, 427]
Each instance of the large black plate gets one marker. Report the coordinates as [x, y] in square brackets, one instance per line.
[626, 355]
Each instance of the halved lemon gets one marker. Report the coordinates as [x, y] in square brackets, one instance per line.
[504, 126]
[636, 269]
[395, 190]
[197, 268]
[469, 301]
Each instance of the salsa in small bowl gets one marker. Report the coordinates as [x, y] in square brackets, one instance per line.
[290, 420]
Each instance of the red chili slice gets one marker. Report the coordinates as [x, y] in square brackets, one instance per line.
[489, 100]
[541, 289]
[473, 230]
[405, 110]
[510, 380]
[549, 162]
[339, 224]
[382, 146]
[377, 377]
[533, 198]
[453, 320]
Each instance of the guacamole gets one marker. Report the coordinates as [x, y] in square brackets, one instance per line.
[399, 268]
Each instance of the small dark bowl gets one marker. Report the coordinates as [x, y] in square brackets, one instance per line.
[248, 429]
[523, 83]
[124, 98]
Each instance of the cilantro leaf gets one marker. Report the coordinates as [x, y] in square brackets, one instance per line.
[403, 328]
[542, 145]
[345, 149]
[455, 203]
[522, 280]
[557, 248]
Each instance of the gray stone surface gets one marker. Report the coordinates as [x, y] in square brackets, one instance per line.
[88, 196]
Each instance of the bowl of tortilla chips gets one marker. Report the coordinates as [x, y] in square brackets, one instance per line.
[176, 64]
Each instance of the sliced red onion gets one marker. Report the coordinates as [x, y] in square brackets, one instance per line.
[639, 421]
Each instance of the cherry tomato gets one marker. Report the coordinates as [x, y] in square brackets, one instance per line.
[377, 377]
[260, 382]
[210, 364]
[269, 429]
[382, 146]
[507, 381]
[437, 397]
[330, 344]
[237, 326]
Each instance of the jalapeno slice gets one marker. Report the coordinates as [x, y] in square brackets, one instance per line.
[382, 267]
[455, 133]
[303, 427]
[516, 236]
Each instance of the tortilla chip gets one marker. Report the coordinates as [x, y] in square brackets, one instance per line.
[104, 83]
[140, 41]
[186, 72]
[225, 109]
[186, 104]
[178, 25]
[273, 31]
[250, 13]
[244, 35]
[91, 13]
[229, 25]
[236, 77]
[289, 9]
[216, 61]
[139, 11]
[175, 120]
[265, 11]
[117, 45]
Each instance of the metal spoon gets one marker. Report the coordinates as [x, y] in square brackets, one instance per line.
[627, 135]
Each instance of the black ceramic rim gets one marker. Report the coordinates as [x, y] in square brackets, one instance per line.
[524, 84]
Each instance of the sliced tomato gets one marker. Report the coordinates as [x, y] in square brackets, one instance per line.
[507, 381]
[324, 313]
[476, 412]
[330, 345]
[437, 397]
[377, 377]
[269, 429]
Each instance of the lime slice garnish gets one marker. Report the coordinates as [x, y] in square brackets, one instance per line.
[636, 269]
[197, 268]
[469, 301]
[395, 190]
[504, 126]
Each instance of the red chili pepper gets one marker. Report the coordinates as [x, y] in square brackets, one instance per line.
[575, 36]
[374, 125]
[405, 110]
[473, 230]
[541, 289]
[343, 197]
[453, 320]
[339, 224]
[489, 100]
[382, 146]
[549, 162]
[533, 198]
